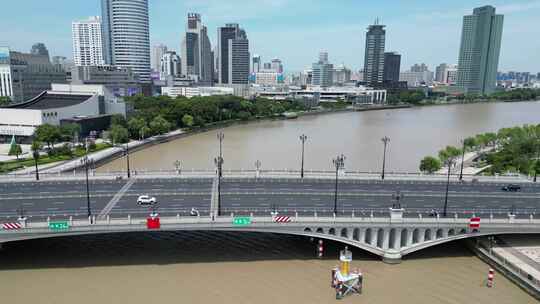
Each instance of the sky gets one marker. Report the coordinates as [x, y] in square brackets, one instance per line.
[297, 30]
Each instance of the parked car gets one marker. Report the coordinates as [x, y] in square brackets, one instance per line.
[511, 188]
[146, 200]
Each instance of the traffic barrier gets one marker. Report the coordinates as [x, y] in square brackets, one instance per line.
[474, 223]
[491, 275]
[281, 219]
[153, 223]
[11, 226]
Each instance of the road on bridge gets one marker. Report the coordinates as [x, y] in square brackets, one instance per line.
[61, 199]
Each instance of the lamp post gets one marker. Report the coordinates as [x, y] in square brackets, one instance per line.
[385, 141]
[127, 161]
[87, 162]
[220, 137]
[35, 154]
[303, 139]
[462, 161]
[178, 166]
[258, 167]
[339, 163]
[449, 163]
[219, 163]
[398, 196]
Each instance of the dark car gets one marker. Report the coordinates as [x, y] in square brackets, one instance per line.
[511, 188]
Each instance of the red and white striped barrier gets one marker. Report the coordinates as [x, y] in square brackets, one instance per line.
[281, 219]
[474, 223]
[491, 275]
[320, 249]
[11, 226]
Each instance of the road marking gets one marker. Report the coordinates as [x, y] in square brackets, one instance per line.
[177, 205]
[178, 199]
[52, 209]
[58, 203]
[114, 200]
[235, 205]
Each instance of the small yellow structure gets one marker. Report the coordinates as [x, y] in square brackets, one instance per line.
[345, 281]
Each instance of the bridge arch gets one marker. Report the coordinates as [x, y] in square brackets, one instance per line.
[320, 230]
[451, 232]
[332, 231]
[380, 238]
[392, 239]
[344, 233]
[439, 233]
[307, 229]
[404, 238]
[463, 231]
[368, 236]
[427, 235]
[416, 236]
[356, 234]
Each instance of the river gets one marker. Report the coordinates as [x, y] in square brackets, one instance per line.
[414, 133]
[233, 268]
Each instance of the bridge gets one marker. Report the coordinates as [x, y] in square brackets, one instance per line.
[361, 214]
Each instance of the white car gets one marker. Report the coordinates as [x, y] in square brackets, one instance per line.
[146, 200]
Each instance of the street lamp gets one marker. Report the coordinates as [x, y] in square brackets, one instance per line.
[303, 139]
[398, 196]
[385, 141]
[87, 163]
[258, 167]
[339, 163]
[36, 156]
[462, 161]
[127, 161]
[449, 162]
[219, 163]
[220, 137]
[178, 166]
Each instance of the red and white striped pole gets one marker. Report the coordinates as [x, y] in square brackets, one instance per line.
[320, 249]
[491, 275]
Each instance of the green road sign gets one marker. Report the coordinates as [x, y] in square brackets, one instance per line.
[58, 225]
[242, 221]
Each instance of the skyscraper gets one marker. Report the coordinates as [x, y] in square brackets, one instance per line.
[322, 72]
[256, 64]
[170, 65]
[39, 49]
[233, 55]
[126, 36]
[419, 68]
[157, 52]
[277, 65]
[479, 51]
[374, 54]
[392, 65]
[87, 42]
[196, 51]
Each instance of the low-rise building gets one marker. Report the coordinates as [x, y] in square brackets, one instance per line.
[196, 91]
[63, 102]
[352, 94]
[120, 81]
[24, 76]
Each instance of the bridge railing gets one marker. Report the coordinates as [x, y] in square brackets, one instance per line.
[205, 222]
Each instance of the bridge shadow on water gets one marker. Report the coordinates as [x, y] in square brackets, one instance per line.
[162, 248]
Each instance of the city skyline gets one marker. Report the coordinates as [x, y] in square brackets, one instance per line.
[438, 23]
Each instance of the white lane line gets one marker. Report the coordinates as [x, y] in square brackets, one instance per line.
[235, 205]
[28, 204]
[315, 199]
[58, 203]
[178, 199]
[319, 205]
[52, 209]
[177, 205]
[115, 199]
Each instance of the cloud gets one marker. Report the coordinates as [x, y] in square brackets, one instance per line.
[518, 7]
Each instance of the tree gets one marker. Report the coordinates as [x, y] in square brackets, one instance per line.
[36, 146]
[187, 120]
[49, 134]
[144, 132]
[135, 125]
[15, 150]
[4, 101]
[118, 134]
[430, 164]
[449, 153]
[470, 143]
[159, 125]
[119, 119]
[70, 131]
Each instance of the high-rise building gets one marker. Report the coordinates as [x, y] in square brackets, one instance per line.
[446, 73]
[392, 65]
[39, 49]
[277, 65]
[374, 54]
[341, 75]
[419, 68]
[170, 65]
[197, 51]
[87, 42]
[322, 72]
[126, 36]
[233, 55]
[157, 52]
[479, 51]
[256, 64]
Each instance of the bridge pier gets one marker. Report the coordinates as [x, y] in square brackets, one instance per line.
[392, 256]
